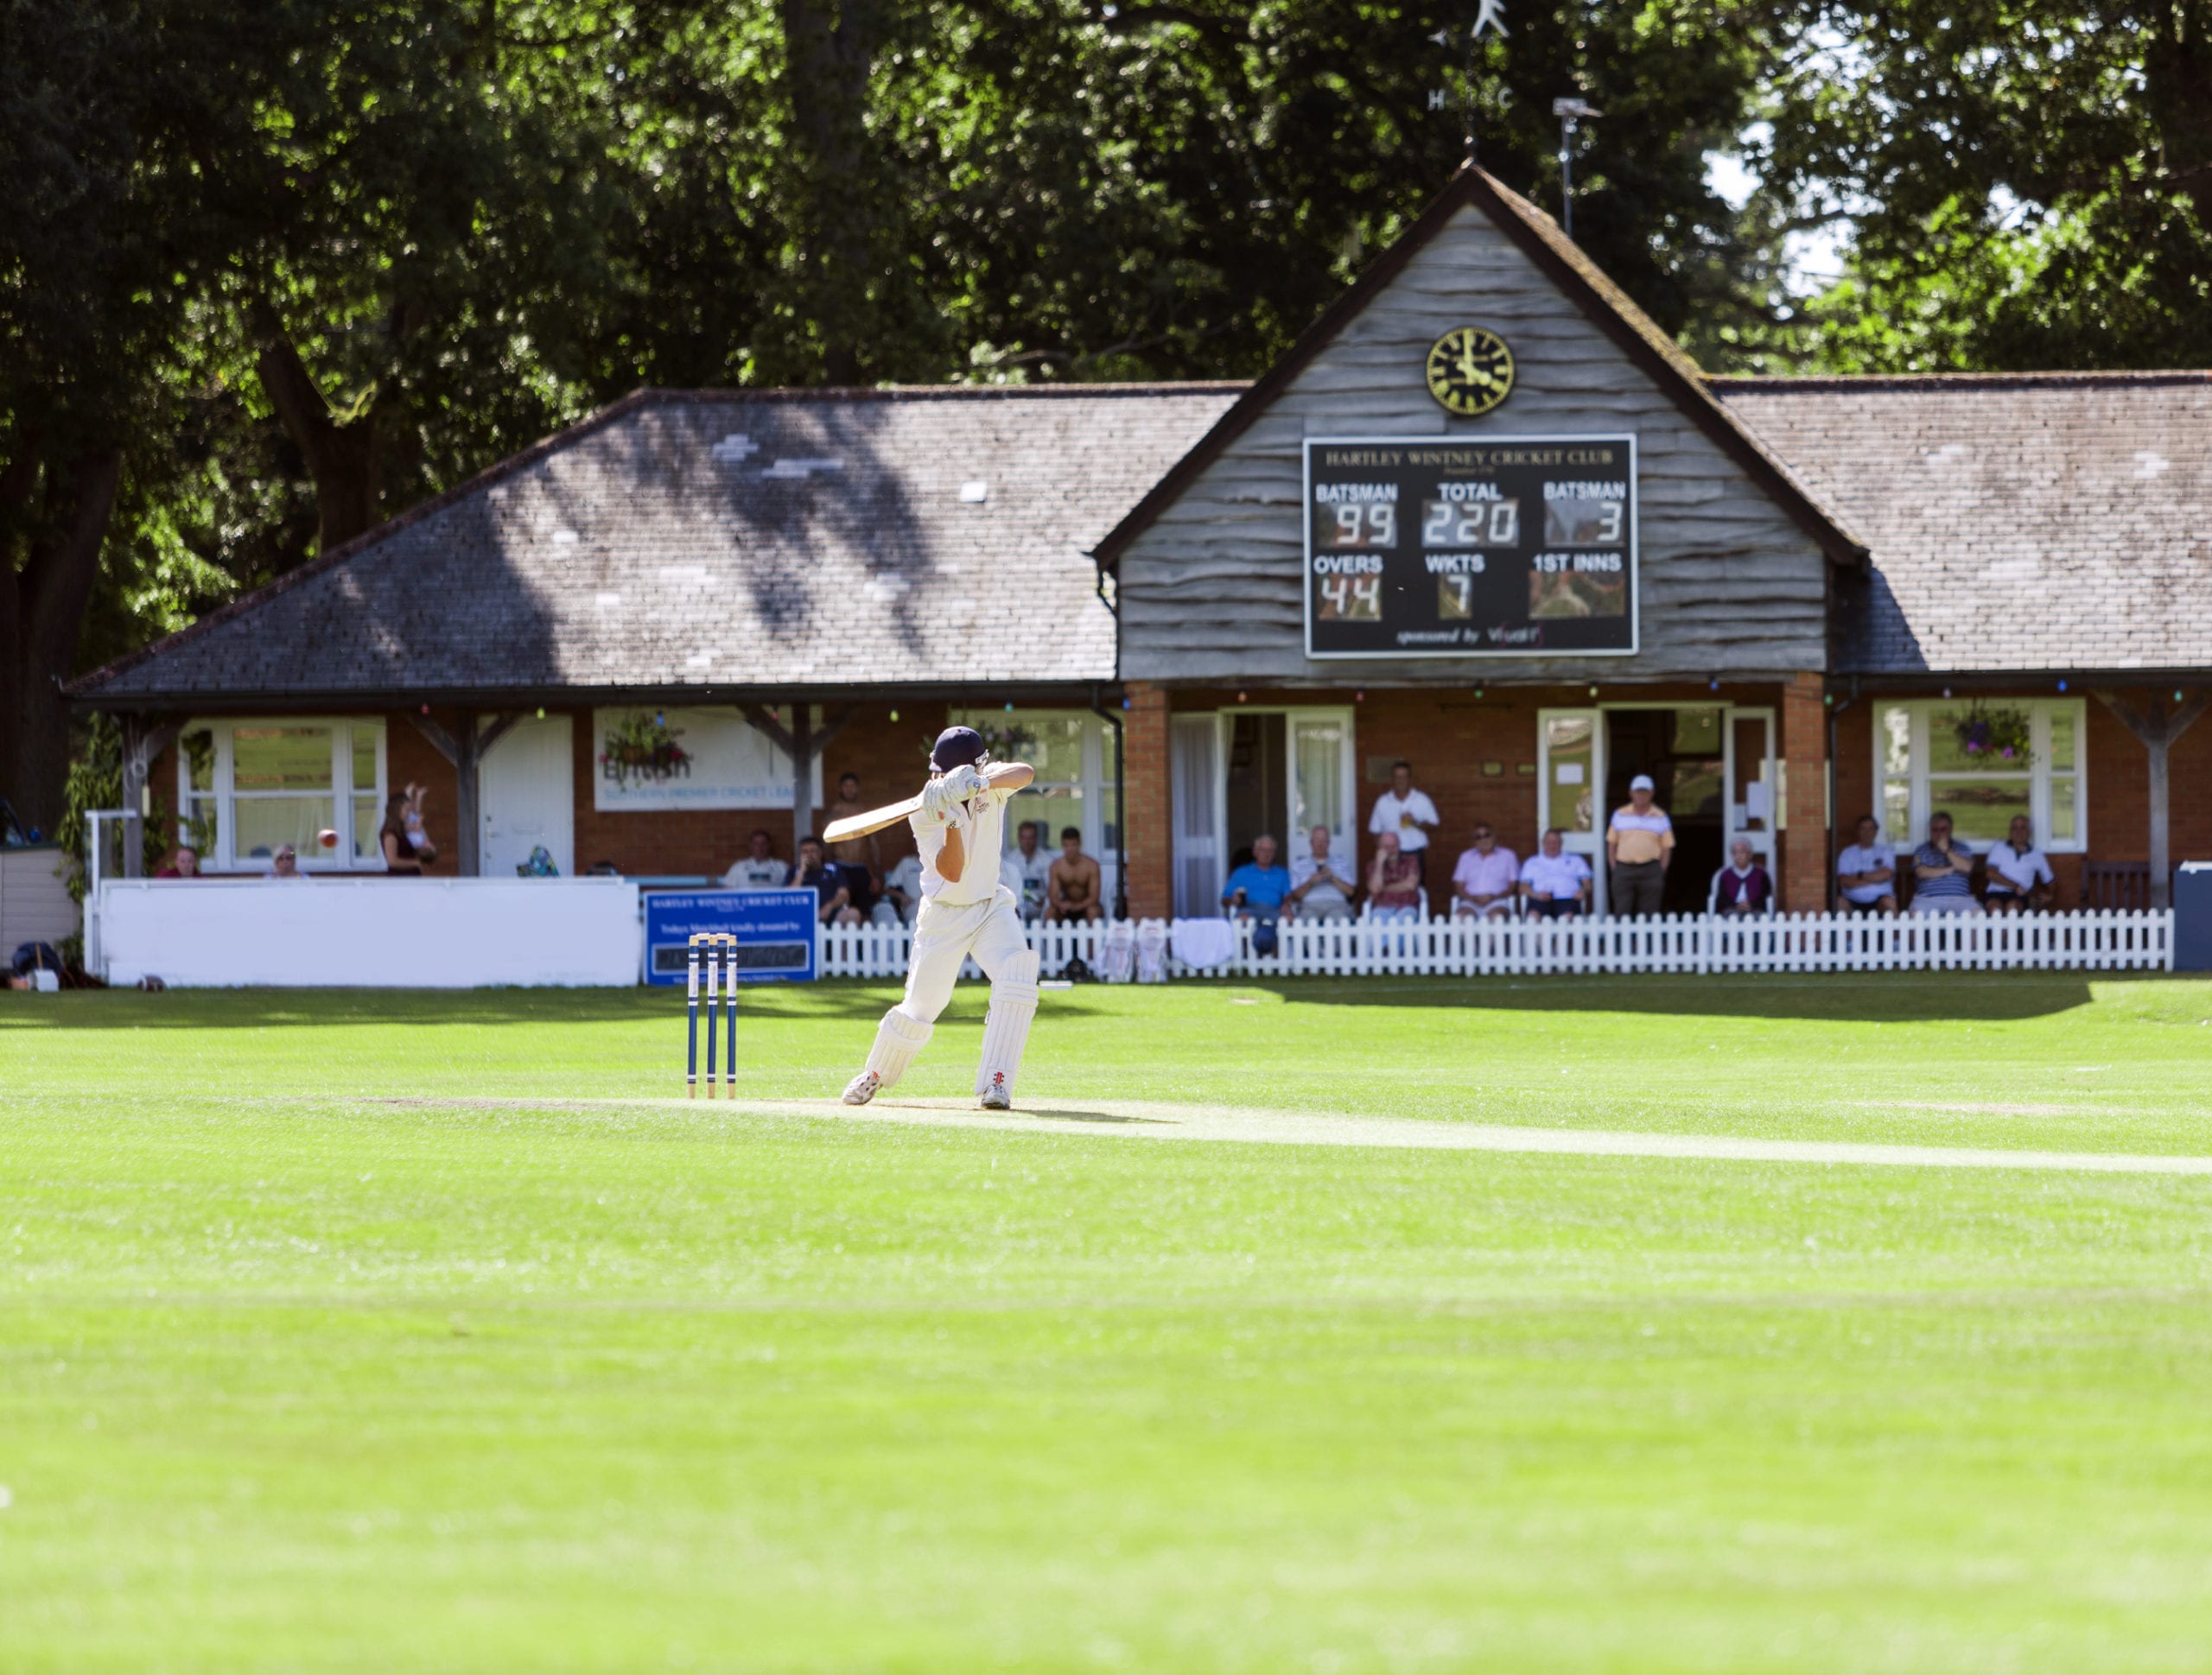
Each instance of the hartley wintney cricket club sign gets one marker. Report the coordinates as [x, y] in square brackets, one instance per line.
[1519, 546]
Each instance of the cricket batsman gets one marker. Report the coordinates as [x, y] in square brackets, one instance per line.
[959, 831]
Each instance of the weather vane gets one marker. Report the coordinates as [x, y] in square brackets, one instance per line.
[1490, 16]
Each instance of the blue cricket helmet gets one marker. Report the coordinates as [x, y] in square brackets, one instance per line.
[958, 747]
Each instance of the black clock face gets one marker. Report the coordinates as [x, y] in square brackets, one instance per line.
[1469, 371]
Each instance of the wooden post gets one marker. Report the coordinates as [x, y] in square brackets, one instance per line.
[2158, 730]
[467, 753]
[144, 737]
[1148, 839]
[802, 742]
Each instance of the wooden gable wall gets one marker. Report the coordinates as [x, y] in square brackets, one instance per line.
[1212, 590]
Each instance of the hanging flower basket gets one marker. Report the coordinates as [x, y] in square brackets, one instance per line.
[1996, 737]
[644, 747]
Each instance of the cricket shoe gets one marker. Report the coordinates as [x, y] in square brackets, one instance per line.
[862, 1088]
[998, 1096]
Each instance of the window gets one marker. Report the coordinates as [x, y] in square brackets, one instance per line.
[1073, 753]
[1982, 762]
[247, 787]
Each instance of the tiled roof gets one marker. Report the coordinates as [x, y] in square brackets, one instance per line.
[2016, 521]
[724, 540]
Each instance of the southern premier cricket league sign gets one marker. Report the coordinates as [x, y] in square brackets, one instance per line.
[1512, 547]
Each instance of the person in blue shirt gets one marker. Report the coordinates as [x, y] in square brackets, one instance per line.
[1256, 890]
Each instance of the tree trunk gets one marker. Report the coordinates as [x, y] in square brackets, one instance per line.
[342, 455]
[827, 62]
[59, 527]
[2178, 87]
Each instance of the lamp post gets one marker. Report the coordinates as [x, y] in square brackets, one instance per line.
[1569, 112]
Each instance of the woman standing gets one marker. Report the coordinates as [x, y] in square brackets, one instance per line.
[402, 858]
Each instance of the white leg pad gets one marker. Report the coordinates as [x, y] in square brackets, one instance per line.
[898, 1038]
[1006, 1027]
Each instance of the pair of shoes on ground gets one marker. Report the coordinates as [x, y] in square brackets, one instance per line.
[865, 1085]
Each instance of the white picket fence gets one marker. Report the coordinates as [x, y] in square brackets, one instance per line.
[1679, 942]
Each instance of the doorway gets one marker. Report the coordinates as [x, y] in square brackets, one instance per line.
[1713, 766]
[1683, 751]
[526, 793]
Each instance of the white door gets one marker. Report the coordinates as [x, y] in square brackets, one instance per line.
[1571, 786]
[527, 797]
[1754, 796]
[1198, 768]
[1324, 786]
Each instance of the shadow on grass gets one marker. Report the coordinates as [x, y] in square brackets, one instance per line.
[1913, 997]
[1862, 997]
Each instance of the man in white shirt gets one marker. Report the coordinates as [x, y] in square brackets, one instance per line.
[758, 868]
[1483, 882]
[1032, 869]
[902, 893]
[1866, 870]
[959, 832]
[1320, 888]
[2019, 877]
[1408, 812]
[1555, 881]
[1640, 844]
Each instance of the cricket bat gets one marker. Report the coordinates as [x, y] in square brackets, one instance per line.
[857, 826]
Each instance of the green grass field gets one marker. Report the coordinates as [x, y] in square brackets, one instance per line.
[429, 1333]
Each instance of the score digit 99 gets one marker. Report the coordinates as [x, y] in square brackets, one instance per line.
[1351, 526]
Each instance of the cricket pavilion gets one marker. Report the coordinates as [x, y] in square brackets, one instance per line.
[1485, 517]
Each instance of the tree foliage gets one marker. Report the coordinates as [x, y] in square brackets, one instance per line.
[2028, 183]
[268, 274]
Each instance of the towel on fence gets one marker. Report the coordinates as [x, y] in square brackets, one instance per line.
[1151, 952]
[1203, 942]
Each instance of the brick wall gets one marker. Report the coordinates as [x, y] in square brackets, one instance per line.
[1804, 747]
[1150, 817]
[1475, 757]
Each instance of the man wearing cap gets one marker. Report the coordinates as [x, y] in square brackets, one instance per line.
[1639, 842]
[966, 911]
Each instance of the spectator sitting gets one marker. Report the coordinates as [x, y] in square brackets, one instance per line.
[1482, 884]
[1943, 871]
[183, 863]
[1406, 814]
[902, 892]
[758, 867]
[1742, 886]
[1257, 891]
[1640, 843]
[1556, 882]
[2020, 876]
[1319, 889]
[1074, 884]
[817, 873]
[1033, 869]
[1393, 883]
[286, 864]
[1867, 871]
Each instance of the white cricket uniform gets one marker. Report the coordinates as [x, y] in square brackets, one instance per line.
[973, 915]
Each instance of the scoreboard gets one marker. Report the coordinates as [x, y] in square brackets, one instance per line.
[1510, 547]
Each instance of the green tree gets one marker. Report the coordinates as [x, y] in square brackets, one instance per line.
[2027, 185]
